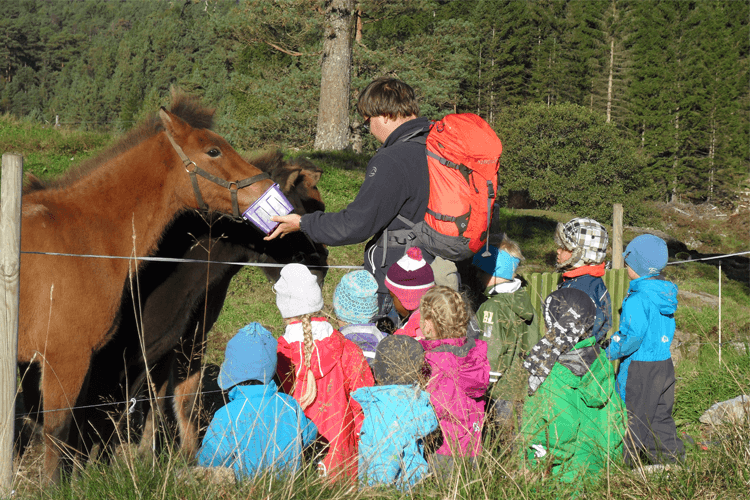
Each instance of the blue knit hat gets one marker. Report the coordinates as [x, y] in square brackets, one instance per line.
[355, 300]
[250, 355]
[646, 255]
[499, 263]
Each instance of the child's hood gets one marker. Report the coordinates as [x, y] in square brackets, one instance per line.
[398, 398]
[398, 403]
[462, 359]
[328, 350]
[661, 292]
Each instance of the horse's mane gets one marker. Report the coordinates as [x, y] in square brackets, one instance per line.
[185, 106]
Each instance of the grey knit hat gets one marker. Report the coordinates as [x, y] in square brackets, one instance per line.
[586, 239]
[398, 361]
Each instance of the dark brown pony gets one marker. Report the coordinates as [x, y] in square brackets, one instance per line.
[118, 204]
[178, 303]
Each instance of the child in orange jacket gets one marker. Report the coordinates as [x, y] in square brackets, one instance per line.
[320, 369]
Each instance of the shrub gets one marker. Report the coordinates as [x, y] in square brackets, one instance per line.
[569, 160]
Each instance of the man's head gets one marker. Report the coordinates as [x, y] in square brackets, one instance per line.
[385, 105]
[388, 97]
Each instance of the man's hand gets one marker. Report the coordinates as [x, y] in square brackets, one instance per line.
[289, 224]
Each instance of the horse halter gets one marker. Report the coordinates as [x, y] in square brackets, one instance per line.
[232, 186]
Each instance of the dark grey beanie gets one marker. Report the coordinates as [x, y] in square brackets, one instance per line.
[398, 361]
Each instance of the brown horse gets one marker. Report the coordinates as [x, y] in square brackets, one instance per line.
[178, 303]
[118, 204]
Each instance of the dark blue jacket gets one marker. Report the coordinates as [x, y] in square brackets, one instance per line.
[396, 183]
[596, 289]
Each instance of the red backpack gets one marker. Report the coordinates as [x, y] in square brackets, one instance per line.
[463, 158]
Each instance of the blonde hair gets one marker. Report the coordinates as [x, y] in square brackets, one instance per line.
[447, 310]
[511, 247]
[311, 387]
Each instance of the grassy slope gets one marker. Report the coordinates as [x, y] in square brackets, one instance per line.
[701, 380]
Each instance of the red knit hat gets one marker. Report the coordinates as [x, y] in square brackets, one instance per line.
[410, 278]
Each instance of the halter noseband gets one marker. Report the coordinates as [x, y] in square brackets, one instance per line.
[232, 186]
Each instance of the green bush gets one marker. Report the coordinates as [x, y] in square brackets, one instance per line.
[569, 160]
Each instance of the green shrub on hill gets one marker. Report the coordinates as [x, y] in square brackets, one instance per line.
[569, 160]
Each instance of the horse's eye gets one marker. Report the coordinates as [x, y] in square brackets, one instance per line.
[213, 153]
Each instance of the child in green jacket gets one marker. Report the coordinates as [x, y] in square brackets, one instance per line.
[508, 325]
[574, 420]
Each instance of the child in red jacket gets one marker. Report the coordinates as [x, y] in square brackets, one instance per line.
[320, 369]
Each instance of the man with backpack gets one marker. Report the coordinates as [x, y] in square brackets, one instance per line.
[395, 197]
[396, 183]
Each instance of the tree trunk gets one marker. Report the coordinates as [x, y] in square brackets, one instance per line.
[609, 82]
[333, 115]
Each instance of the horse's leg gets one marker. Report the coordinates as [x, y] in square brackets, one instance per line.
[155, 420]
[62, 381]
[28, 406]
[187, 385]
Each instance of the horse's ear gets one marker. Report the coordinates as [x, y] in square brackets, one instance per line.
[172, 123]
[290, 181]
[312, 176]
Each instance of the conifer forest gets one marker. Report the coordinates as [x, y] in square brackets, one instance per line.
[661, 85]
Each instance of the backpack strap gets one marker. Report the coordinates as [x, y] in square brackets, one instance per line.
[399, 237]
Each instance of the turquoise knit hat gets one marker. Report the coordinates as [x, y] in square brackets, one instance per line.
[250, 355]
[646, 255]
[499, 263]
[355, 300]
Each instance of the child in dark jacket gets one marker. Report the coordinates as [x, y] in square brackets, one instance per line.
[458, 373]
[320, 368]
[355, 302]
[574, 420]
[398, 415]
[508, 326]
[581, 249]
[259, 429]
[408, 280]
[646, 378]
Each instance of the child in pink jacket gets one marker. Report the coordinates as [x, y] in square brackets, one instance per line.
[459, 374]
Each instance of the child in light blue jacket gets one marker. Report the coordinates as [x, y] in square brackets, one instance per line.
[260, 428]
[646, 379]
[398, 415]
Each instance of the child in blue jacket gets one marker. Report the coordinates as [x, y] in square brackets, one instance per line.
[581, 250]
[260, 428]
[398, 415]
[646, 379]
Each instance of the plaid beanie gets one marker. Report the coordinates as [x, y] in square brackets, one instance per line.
[355, 300]
[250, 355]
[586, 239]
[646, 255]
[569, 315]
[297, 291]
[398, 361]
[499, 263]
[409, 278]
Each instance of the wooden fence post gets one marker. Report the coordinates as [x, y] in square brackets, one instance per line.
[617, 262]
[10, 271]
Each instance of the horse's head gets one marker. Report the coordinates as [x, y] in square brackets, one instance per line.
[298, 179]
[214, 171]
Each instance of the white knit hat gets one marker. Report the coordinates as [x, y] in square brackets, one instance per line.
[297, 292]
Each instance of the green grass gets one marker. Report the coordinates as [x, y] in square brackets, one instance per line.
[48, 152]
[719, 472]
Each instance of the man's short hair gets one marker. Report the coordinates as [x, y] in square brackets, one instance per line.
[386, 96]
